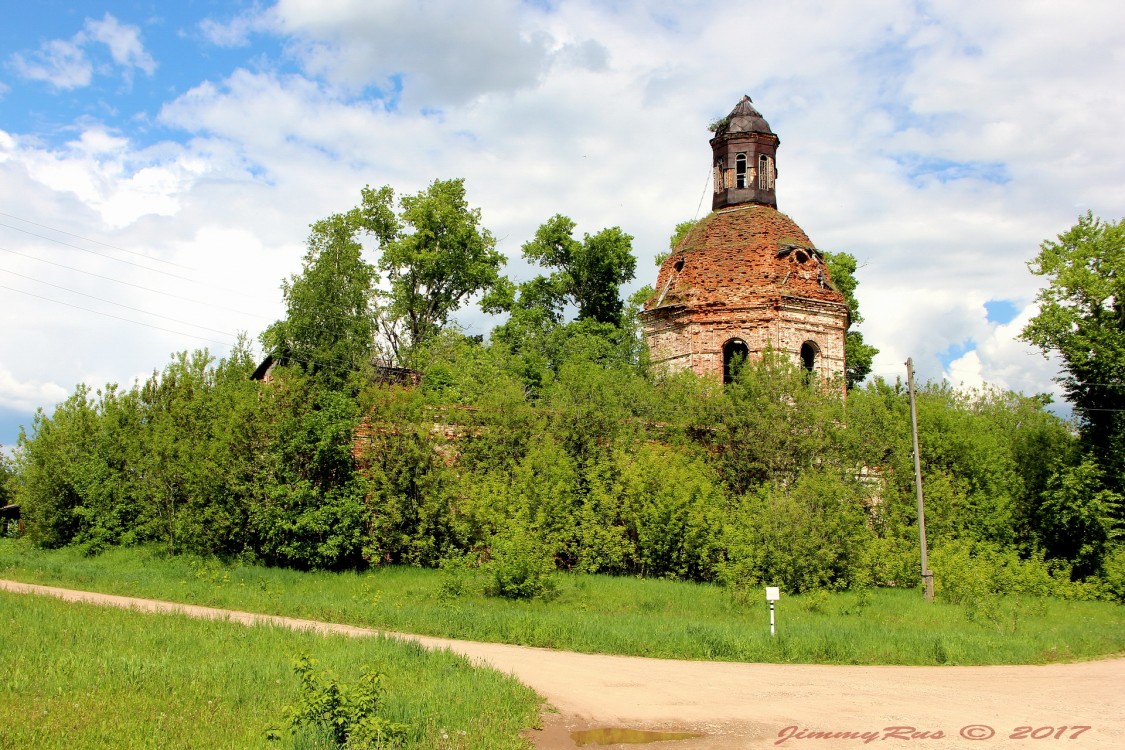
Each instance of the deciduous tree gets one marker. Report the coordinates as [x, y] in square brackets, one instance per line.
[435, 254]
[1082, 320]
[858, 355]
[329, 324]
[588, 273]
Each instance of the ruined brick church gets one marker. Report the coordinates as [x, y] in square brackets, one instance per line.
[746, 278]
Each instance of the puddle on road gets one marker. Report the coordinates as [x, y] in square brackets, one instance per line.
[620, 736]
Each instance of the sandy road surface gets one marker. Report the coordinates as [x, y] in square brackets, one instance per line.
[770, 705]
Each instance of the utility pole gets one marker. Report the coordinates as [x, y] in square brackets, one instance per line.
[927, 574]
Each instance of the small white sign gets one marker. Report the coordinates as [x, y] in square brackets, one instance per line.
[773, 593]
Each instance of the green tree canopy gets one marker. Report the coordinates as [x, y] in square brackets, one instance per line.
[330, 322]
[858, 355]
[1082, 320]
[588, 273]
[435, 254]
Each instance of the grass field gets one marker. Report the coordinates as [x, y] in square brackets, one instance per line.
[600, 614]
[82, 676]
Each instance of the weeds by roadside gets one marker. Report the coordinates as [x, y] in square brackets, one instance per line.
[83, 676]
[601, 614]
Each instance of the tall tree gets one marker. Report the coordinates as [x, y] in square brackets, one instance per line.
[858, 355]
[1082, 320]
[330, 315]
[588, 273]
[435, 254]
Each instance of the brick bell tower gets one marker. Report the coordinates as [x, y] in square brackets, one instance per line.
[746, 278]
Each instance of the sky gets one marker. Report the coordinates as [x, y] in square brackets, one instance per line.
[160, 163]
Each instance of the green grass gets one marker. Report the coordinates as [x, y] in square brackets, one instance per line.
[82, 676]
[600, 614]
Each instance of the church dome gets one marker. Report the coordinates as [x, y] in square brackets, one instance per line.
[743, 256]
[744, 119]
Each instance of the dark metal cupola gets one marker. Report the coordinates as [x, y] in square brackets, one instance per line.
[745, 151]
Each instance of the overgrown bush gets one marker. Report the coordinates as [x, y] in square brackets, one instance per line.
[773, 479]
[810, 535]
[348, 713]
[520, 567]
[967, 572]
[459, 574]
[1110, 582]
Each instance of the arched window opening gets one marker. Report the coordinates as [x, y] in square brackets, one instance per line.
[802, 256]
[678, 265]
[735, 354]
[809, 352]
[740, 171]
[765, 173]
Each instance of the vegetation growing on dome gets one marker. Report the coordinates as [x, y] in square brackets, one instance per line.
[720, 125]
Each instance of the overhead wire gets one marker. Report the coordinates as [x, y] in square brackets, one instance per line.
[290, 358]
[111, 302]
[140, 310]
[116, 317]
[188, 279]
[120, 281]
[100, 255]
[129, 283]
[96, 242]
[134, 285]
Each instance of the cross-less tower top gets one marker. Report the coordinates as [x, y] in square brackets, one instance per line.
[745, 152]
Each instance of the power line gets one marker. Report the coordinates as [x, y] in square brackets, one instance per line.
[118, 317]
[129, 283]
[101, 255]
[322, 328]
[110, 257]
[96, 242]
[111, 302]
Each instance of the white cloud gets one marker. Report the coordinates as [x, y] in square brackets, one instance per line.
[441, 52]
[27, 396]
[124, 43]
[1000, 358]
[66, 63]
[61, 63]
[103, 171]
[233, 33]
[939, 145]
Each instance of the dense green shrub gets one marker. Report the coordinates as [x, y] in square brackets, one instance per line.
[774, 479]
[1110, 582]
[813, 534]
[519, 567]
[967, 572]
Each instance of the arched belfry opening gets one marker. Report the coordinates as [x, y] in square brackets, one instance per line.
[744, 150]
[735, 354]
[809, 353]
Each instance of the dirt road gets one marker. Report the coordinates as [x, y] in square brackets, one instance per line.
[770, 705]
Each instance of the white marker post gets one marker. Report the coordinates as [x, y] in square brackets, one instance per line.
[773, 593]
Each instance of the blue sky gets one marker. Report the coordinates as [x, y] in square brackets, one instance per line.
[160, 163]
[61, 70]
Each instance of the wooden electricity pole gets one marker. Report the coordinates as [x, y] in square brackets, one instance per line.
[927, 574]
